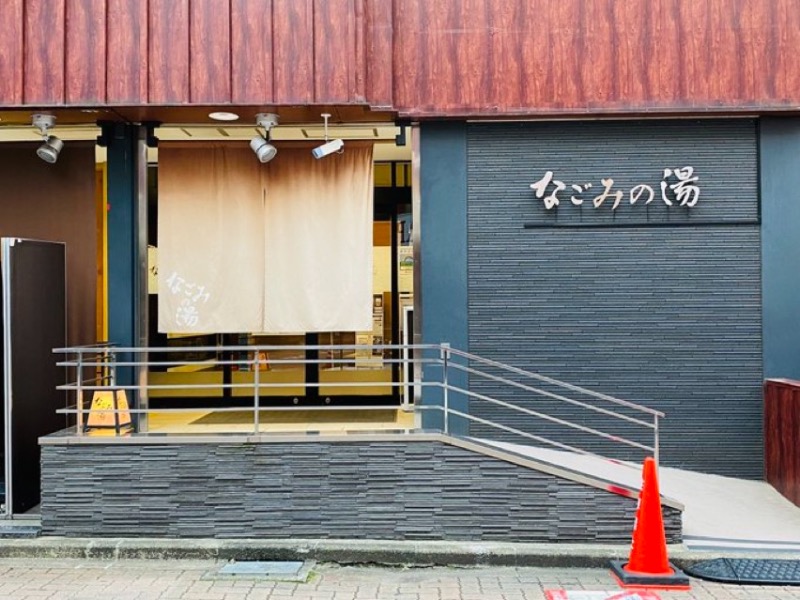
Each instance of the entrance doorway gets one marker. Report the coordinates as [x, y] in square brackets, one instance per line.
[305, 369]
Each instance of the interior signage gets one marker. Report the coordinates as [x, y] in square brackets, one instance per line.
[678, 185]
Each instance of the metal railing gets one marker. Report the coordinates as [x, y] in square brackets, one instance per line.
[436, 378]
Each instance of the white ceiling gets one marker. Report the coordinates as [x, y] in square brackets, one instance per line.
[382, 135]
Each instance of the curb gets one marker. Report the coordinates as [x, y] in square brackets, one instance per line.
[378, 552]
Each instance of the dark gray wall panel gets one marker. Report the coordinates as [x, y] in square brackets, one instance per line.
[664, 315]
[372, 490]
[443, 265]
[780, 189]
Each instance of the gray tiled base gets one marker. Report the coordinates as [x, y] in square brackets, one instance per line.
[415, 490]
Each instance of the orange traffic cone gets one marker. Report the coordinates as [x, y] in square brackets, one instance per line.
[648, 565]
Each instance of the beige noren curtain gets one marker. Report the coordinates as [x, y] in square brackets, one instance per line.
[279, 248]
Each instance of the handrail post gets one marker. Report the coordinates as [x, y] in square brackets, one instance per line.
[445, 356]
[655, 439]
[256, 364]
[79, 392]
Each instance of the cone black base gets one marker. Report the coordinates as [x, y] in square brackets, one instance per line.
[677, 580]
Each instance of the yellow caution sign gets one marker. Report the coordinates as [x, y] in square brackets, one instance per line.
[108, 401]
[263, 361]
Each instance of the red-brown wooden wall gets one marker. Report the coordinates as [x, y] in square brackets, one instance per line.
[420, 57]
[782, 436]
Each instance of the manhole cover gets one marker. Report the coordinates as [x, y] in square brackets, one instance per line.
[746, 570]
[267, 569]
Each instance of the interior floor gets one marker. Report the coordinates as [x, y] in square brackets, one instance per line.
[282, 421]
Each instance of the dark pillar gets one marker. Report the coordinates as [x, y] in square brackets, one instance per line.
[779, 146]
[127, 243]
[443, 244]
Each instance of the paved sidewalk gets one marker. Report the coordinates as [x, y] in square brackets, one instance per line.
[28, 579]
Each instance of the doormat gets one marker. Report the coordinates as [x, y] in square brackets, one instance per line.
[748, 571]
[237, 417]
[586, 595]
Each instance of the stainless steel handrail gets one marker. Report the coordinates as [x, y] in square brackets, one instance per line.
[434, 372]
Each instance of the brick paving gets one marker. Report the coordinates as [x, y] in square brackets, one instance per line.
[41, 579]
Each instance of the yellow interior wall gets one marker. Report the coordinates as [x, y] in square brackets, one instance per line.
[101, 204]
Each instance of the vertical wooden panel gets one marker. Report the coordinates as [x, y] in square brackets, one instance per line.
[634, 49]
[293, 49]
[599, 75]
[781, 426]
[757, 55]
[536, 55]
[508, 27]
[725, 26]
[86, 52]
[573, 53]
[210, 51]
[379, 40]
[694, 24]
[11, 27]
[787, 39]
[251, 51]
[335, 59]
[126, 60]
[169, 65]
[44, 52]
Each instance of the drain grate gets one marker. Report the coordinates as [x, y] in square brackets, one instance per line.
[296, 571]
[747, 570]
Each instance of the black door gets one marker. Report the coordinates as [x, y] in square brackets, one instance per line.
[34, 322]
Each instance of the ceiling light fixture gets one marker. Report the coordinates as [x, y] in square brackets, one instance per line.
[222, 115]
[329, 147]
[261, 145]
[51, 145]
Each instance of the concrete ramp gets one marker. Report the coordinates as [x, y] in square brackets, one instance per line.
[719, 512]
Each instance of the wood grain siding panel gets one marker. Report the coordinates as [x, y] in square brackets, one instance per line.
[251, 52]
[781, 433]
[786, 15]
[210, 51]
[492, 56]
[86, 52]
[335, 59]
[379, 44]
[43, 82]
[11, 27]
[127, 54]
[169, 64]
[293, 51]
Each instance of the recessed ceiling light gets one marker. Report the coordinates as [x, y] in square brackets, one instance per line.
[223, 116]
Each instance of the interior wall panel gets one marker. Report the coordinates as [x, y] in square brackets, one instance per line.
[127, 52]
[210, 51]
[11, 26]
[85, 51]
[251, 51]
[43, 67]
[293, 51]
[335, 59]
[56, 203]
[169, 59]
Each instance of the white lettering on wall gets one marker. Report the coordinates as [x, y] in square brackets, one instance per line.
[677, 185]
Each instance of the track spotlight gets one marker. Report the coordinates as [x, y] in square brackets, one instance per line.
[260, 144]
[49, 150]
[51, 146]
[329, 147]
